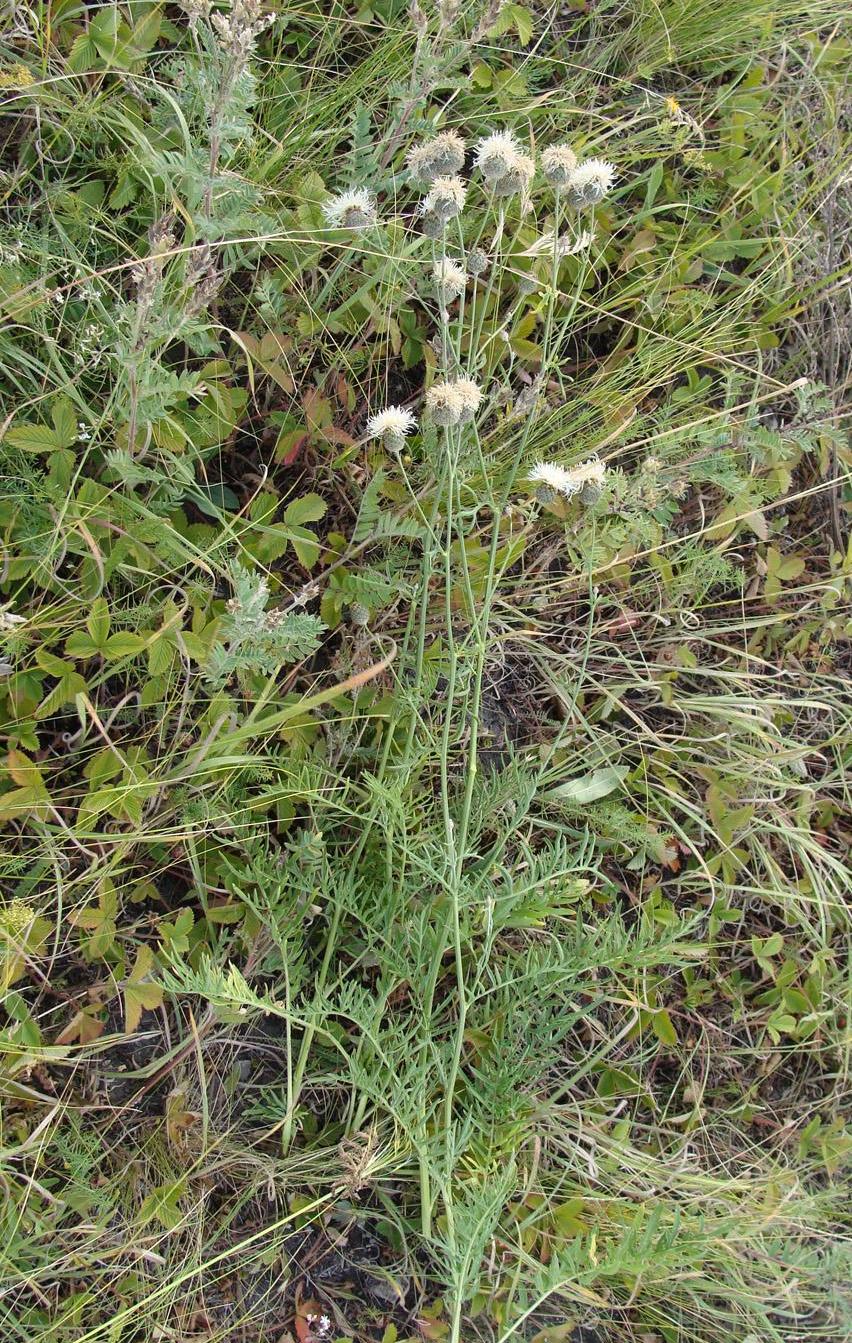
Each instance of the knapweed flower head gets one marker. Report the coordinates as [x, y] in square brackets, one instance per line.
[445, 199]
[443, 156]
[392, 426]
[477, 261]
[450, 279]
[551, 480]
[587, 476]
[443, 404]
[557, 164]
[496, 154]
[355, 209]
[470, 398]
[589, 182]
[585, 479]
[452, 403]
[518, 177]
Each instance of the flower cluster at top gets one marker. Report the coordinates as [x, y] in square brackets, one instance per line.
[435, 166]
[448, 404]
[506, 171]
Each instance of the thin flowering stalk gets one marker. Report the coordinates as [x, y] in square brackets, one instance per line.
[476, 336]
[462, 298]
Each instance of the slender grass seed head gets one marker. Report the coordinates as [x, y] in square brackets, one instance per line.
[443, 156]
[557, 164]
[355, 209]
[445, 199]
[590, 182]
[496, 155]
[392, 426]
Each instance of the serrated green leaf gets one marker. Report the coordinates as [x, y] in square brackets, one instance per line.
[124, 644]
[80, 645]
[50, 663]
[307, 508]
[64, 422]
[33, 438]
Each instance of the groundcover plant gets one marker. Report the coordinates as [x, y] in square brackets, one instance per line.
[424, 671]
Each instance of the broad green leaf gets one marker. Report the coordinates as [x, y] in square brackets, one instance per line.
[307, 508]
[33, 438]
[663, 1028]
[98, 623]
[23, 771]
[83, 55]
[64, 422]
[64, 692]
[124, 644]
[53, 665]
[140, 997]
[80, 645]
[589, 787]
[306, 546]
[162, 1205]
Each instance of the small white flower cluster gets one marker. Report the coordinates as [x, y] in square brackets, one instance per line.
[239, 29]
[557, 164]
[452, 403]
[447, 404]
[507, 170]
[445, 200]
[436, 164]
[552, 480]
[89, 348]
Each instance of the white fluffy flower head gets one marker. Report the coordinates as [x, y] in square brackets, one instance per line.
[443, 404]
[548, 473]
[452, 403]
[443, 156]
[517, 178]
[450, 279]
[590, 182]
[445, 199]
[567, 481]
[392, 425]
[470, 398]
[496, 154]
[557, 164]
[355, 209]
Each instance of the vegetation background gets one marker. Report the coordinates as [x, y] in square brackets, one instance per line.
[424, 894]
